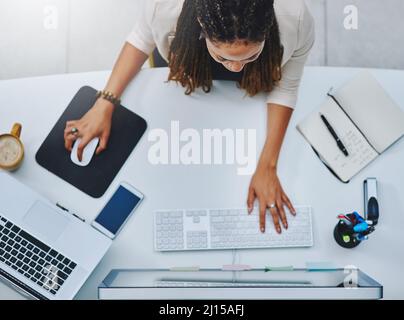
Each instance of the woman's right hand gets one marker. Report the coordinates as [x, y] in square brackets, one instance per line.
[95, 123]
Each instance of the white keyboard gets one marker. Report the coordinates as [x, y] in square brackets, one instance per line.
[217, 229]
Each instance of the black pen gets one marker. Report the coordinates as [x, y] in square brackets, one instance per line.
[337, 139]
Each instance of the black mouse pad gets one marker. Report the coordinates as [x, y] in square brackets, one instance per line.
[127, 129]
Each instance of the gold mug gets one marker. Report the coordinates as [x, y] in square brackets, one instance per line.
[11, 149]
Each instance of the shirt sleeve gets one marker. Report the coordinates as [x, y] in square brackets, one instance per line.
[285, 93]
[141, 35]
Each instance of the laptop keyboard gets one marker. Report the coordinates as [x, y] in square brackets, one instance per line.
[32, 258]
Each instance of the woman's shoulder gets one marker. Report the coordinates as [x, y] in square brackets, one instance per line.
[161, 8]
[296, 25]
[294, 9]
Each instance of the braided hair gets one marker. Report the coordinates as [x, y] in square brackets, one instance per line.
[225, 21]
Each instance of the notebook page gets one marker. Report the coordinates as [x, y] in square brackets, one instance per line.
[372, 110]
[317, 134]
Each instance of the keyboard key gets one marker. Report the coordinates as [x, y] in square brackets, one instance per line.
[34, 240]
[11, 235]
[16, 246]
[38, 268]
[15, 229]
[62, 275]
[6, 231]
[9, 225]
[35, 257]
[1, 252]
[36, 250]
[19, 264]
[13, 252]
[38, 275]
[42, 254]
[72, 265]
[24, 242]
[32, 264]
[53, 253]
[67, 270]
[60, 257]
[29, 254]
[10, 242]
[30, 246]
[41, 262]
[20, 256]
[60, 266]
[23, 250]
[54, 262]
[7, 256]
[13, 259]
[14, 267]
[2, 244]
[20, 271]
[66, 261]
[18, 239]
[31, 271]
[25, 267]
[8, 263]
[48, 258]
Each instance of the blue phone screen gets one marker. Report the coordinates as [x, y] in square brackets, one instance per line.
[117, 210]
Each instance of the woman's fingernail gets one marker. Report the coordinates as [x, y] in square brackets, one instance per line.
[278, 229]
[262, 229]
[286, 226]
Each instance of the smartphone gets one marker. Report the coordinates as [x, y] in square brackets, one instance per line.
[125, 200]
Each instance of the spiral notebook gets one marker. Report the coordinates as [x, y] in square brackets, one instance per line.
[363, 116]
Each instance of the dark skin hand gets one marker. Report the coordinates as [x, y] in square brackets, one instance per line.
[95, 123]
[265, 185]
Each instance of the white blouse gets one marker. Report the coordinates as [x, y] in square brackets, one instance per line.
[157, 23]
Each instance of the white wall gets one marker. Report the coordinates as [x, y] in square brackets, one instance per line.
[81, 35]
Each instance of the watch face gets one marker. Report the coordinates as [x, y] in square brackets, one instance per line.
[10, 151]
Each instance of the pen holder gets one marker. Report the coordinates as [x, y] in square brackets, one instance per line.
[344, 236]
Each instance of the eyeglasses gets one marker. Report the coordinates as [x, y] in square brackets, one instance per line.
[220, 59]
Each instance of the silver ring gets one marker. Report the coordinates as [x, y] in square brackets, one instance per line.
[272, 205]
[74, 131]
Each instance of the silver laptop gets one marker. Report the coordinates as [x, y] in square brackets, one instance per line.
[45, 252]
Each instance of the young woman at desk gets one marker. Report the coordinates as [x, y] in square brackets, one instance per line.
[261, 44]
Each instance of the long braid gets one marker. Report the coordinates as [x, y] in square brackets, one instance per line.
[225, 21]
[189, 58]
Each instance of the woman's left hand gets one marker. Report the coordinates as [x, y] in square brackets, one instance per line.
[266, 187]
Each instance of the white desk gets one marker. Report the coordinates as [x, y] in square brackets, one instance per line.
[38, 102]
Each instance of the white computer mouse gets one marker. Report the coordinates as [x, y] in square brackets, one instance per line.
[88, 152]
